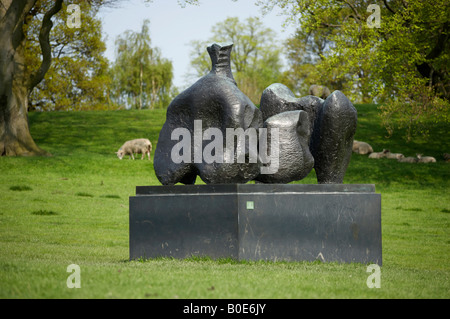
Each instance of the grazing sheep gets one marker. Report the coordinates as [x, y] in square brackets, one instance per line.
[320, 91]
[361, 147]
[425, 159]
[408, 159]
[394, 155]
[378, 154]
[139, 146]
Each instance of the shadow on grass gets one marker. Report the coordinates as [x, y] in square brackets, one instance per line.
[20, 188]
[44, 213]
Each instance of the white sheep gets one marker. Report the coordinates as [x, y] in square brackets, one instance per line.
[425, 159]
[320, 91]
[378, 154]
[394, 155]
[408, 159]
[361, 147]
[140, 146]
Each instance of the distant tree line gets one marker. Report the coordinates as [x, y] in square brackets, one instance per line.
[81, 78]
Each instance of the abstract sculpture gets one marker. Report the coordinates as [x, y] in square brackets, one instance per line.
[216, 101]
[214, 131]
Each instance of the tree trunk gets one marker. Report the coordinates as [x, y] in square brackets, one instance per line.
[15, 137]
[426, 68]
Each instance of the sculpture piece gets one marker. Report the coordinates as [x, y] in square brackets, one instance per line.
[294, 158]
[278, 98]
[332, 140]
[216, 101]
[332, 127]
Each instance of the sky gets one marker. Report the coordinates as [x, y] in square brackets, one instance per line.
[172, 27]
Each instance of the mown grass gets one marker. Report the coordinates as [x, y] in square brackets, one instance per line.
[72, 208]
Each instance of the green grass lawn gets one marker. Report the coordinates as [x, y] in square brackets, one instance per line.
[72, 208]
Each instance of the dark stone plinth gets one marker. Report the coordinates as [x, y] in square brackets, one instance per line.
[292, 222]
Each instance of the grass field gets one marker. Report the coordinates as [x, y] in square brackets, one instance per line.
[72, 208]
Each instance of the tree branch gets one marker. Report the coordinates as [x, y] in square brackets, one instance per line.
[388, 7]
[425, 67]
[12, 16]
[441, 42]
[330, 25]
[13, 12]
[44, 42]
[358, 16]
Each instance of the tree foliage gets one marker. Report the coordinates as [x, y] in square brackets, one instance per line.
[77, 78]
[255, 59]
[141, 77]
[404, 62]
[304, 52]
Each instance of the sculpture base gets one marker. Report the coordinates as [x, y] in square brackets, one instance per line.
[290, 222]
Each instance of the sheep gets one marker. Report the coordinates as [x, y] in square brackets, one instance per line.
[361, 147]
[378, 154]
[140, 146]
[447, 157]
[425, 159]
[408, 159]
[320, 91]
[394, 155]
